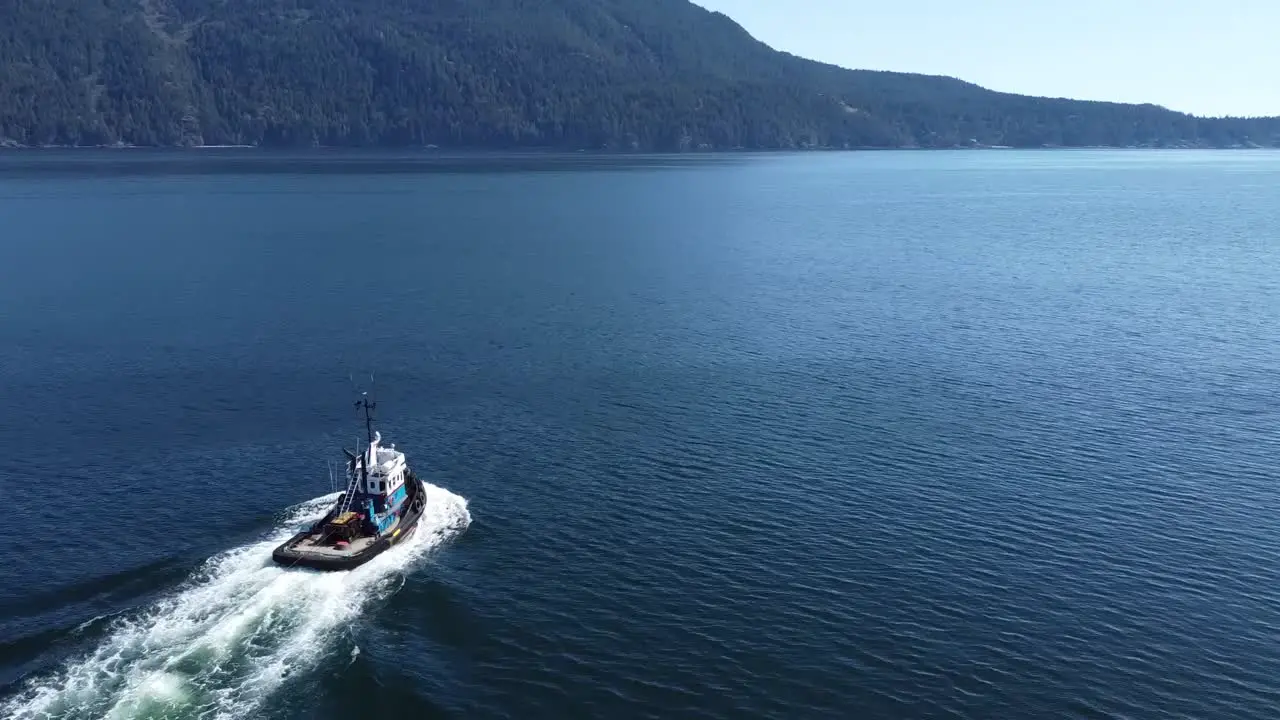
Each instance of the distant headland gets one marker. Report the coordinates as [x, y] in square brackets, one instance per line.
[615, 75]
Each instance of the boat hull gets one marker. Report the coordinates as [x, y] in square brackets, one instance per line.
[293, 553]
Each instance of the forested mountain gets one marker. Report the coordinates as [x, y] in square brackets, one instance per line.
[597, 74]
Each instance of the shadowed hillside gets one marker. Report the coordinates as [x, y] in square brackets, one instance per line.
[569, 74]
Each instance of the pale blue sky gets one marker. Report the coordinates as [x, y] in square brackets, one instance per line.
[1211, 58]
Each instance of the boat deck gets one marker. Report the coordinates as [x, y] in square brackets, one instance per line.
[308, 546]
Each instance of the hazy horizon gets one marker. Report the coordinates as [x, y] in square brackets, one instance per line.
[1200, 59]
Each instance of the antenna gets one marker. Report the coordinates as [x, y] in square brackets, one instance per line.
[366, 403]
[368, 406]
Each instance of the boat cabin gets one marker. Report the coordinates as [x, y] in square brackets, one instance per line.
[387, 473]
[381, 490]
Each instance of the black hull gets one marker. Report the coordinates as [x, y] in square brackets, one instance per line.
[289, 556]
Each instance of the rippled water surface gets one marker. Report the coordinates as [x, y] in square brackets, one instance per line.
[864, 435]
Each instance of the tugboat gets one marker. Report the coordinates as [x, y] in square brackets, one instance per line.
[380, 508]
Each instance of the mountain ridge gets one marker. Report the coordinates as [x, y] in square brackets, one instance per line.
[651, 75]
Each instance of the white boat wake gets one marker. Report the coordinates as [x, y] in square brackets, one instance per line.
[233, 633]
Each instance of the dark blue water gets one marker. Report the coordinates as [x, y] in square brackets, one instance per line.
[879, 435]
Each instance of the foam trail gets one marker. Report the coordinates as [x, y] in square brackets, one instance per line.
[233, 633]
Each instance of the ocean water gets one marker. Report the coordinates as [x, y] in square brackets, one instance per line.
[851, 435]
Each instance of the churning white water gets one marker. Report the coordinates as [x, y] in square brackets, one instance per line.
[233, 633]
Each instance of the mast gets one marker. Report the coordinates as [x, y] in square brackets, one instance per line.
[368, 408]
